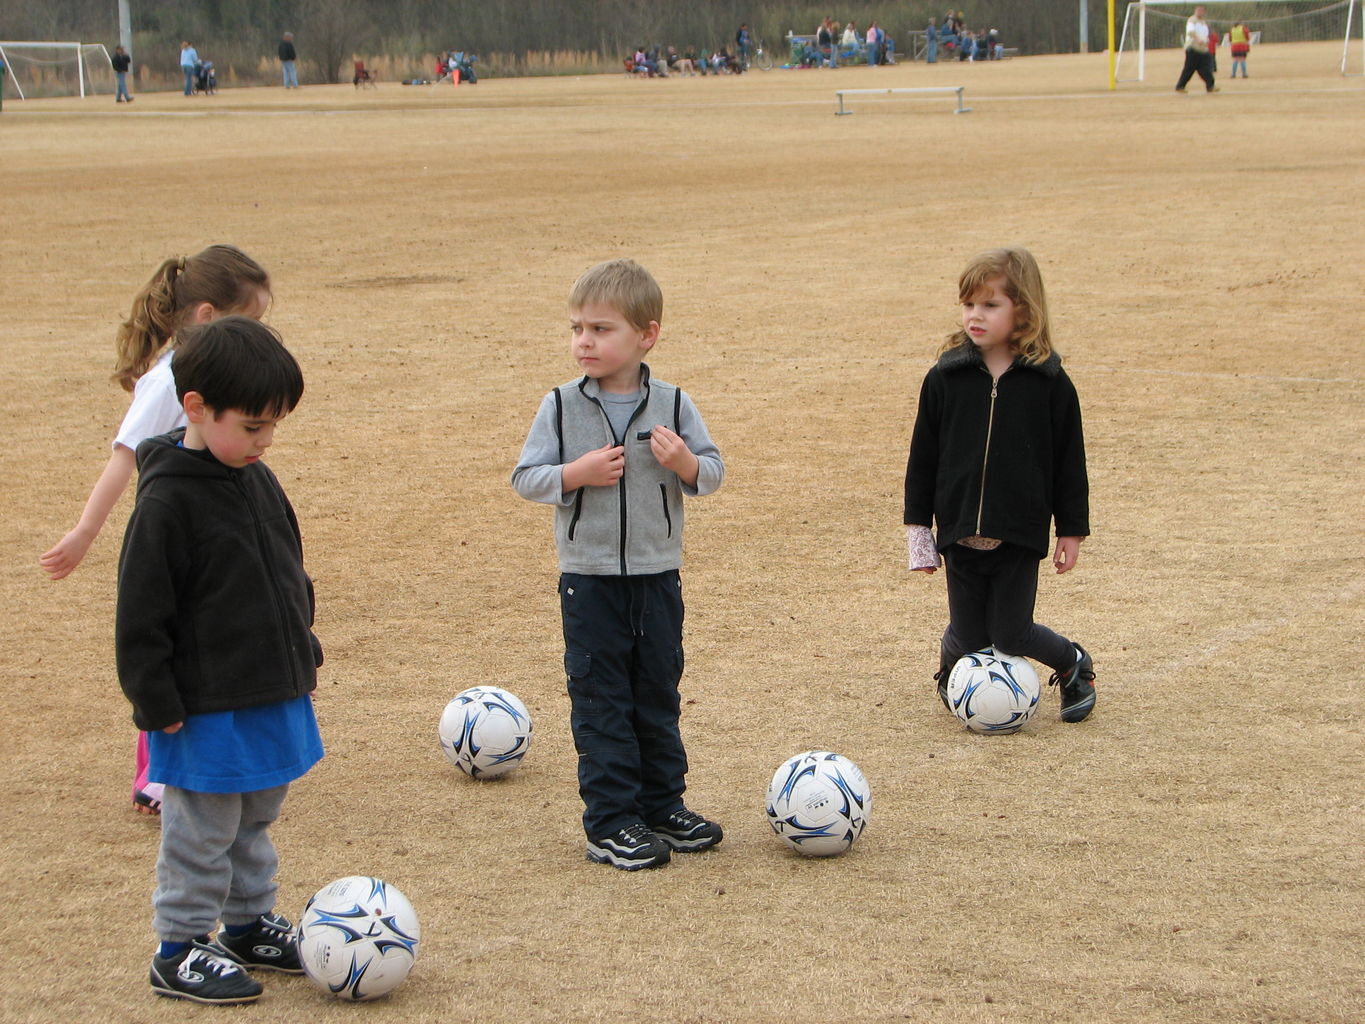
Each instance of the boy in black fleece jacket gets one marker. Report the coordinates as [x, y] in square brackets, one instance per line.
[216, 652]
[997, 454]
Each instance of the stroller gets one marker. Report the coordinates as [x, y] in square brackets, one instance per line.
[205, 79]
[465, 63]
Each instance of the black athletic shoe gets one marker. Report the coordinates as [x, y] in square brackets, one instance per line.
[630, 849]
[203, 977]
[272, 945]
[941, 677]
[687, 831]
[1078, 687]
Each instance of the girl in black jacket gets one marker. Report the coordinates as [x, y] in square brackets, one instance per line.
[997, 455]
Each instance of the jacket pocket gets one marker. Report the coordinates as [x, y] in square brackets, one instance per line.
[668, 516]
[577, 512]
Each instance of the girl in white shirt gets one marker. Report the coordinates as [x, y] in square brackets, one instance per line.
[184, 290]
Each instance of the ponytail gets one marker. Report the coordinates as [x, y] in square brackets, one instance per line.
[152, 321]
[222, 275]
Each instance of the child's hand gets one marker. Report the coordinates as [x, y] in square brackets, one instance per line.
[673, 453]
[175, 727]
[66, 554]
[601, 467]
[1067, 551]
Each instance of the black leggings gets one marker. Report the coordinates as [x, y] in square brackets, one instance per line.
[990, 604]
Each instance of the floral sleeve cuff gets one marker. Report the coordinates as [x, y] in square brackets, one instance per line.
[919, 540]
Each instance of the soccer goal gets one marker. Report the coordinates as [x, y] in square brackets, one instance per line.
[1160, 25]
[57, 69]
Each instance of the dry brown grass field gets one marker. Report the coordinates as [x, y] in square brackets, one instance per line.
[1189, 855]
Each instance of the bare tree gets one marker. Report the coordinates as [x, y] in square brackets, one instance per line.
[333, 31]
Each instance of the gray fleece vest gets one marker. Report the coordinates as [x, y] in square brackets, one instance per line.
[635, 527]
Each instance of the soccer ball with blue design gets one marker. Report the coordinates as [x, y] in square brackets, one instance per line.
[358, 938]
[485, 731]
[819, 803]
[992, 692]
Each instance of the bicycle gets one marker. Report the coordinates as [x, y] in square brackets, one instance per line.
[758, 59]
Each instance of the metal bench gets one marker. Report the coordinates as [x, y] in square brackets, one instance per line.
[841, 93]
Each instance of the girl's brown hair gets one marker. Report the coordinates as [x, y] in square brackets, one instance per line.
[1023, 283]
[222, 275]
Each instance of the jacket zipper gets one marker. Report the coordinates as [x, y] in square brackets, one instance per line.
[985, 456]
[620, 484]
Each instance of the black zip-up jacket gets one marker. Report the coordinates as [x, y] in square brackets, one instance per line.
[998, 458]
[215, 612]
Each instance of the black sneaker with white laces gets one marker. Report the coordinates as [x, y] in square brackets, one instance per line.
[203, 977]
[687, 831]
[271, 945]
[1078, 687]
[630, 849]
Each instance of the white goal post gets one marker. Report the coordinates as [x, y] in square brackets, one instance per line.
[1160, 24]
[57, 68]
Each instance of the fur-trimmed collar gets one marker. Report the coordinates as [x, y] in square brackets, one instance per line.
[968, 355]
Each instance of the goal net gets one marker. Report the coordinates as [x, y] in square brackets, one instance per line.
[56, 69]
[1159, 25]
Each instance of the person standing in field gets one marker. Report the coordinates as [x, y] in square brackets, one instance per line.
[744, 43]
[996, 457]
[616, 452]
[1239, 43]
[189, 65]
[289, 61]
[216, 653]
[121, 63]
[1198, 59]
[183, 291]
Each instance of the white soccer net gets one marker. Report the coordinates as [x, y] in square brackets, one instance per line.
[1160, 25]
[56, 69]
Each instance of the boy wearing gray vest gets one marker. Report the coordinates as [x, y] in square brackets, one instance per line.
[615, 452]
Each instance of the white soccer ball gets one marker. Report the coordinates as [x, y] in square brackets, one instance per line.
[993, 692]
[485, 731]
[819, 803]
[358, 938]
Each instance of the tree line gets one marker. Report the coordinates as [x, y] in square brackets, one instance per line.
[510, 36]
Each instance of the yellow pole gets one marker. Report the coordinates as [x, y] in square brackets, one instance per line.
[1113, 84]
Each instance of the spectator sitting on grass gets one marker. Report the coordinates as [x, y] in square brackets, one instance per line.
[679, 64]
[641, 60]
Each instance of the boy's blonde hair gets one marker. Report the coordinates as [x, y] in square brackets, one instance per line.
[1023, 283]
[623, 285]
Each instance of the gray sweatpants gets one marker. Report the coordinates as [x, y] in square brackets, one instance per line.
[216, 861]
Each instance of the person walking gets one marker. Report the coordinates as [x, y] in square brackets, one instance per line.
[1198, 59]
[289, 61]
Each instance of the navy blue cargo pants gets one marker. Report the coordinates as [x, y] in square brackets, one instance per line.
[623, 657]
